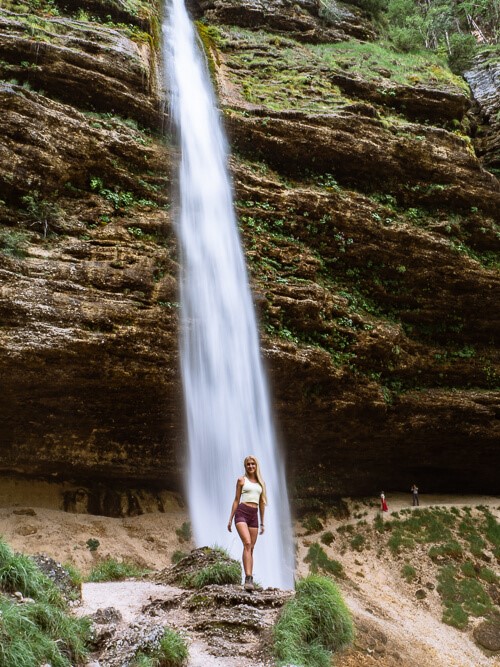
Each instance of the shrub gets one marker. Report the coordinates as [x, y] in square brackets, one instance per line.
[40, 631]
[13, 243]
[184, 532]
[19, 573]
[173, 649]
[113, 570]
[327, 538]
[379, 523]
[312, 625]
[462, 51]
[406, 39]
[92, 544]
[318, 560]
[408, 572]
[452, 549]
[177, 556]
[312, 524]
[358, 542]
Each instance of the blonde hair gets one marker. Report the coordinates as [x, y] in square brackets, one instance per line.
[258, 475]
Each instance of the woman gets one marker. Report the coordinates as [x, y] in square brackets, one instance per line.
[383, 504]
[250, 499]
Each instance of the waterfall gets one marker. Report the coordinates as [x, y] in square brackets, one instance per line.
[225, 390]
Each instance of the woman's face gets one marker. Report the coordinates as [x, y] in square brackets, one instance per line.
[250, 466]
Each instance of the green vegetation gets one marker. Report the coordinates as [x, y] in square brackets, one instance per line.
[184, 532]
[113, 570]
[327, 538]
[39, 630]
[312, 625]
[177, 556]
[312, 524]
[462, 596]
[408, 572]
[224, 572]
[451, 549]
[121, 200]
[40, 211]
[319, 561]
[458, 540]
[13, 243]
[371, 58]
[279, 73]
[171, 652]
[92, 544]
[444, 26]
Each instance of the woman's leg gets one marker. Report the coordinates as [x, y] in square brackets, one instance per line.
[249, 537]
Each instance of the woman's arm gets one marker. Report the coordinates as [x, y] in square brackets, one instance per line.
[236, 501]
[262, 508]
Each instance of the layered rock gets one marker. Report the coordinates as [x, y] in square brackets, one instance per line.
[369, 227]
[484, 80]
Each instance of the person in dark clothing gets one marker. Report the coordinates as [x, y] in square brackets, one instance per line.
[414, 493]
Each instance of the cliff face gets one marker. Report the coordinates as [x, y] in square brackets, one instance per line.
[369, 223]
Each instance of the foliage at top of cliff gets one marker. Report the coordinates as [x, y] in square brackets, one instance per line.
[455, 29]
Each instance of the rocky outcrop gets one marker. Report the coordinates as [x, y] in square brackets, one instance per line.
[484, 80]
[370, 232]
[306, 20]
[222, 621]
[94, 68]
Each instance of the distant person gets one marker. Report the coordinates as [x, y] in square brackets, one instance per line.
[383, 504]
[250, 499]
[414, 493]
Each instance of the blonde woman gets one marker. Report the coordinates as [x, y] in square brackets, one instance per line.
[250, 499]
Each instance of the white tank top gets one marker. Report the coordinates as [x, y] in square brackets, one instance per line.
[250, 493]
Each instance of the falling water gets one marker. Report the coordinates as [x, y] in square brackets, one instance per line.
[225, 391]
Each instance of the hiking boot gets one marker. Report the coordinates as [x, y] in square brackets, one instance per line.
[248, 583]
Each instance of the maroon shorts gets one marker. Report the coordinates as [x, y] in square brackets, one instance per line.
[247, 514]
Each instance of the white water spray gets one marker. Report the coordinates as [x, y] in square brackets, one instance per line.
[225, 391]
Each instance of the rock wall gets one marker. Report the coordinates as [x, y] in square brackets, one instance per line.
[369, 223]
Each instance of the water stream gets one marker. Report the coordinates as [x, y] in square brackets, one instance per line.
[225, 390]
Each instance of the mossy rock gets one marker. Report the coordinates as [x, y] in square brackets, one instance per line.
[186, 573]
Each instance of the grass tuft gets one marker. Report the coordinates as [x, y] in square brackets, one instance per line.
[216, 573]
[318, 560]
[39, 631]
[171, 652]
[312, 625]
[113, 570]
